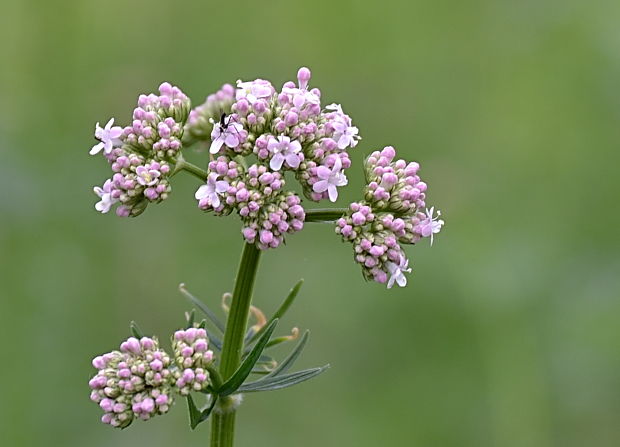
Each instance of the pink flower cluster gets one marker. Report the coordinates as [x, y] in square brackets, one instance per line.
[134, 382]
[286, 130]
[390, 216]
[282, 215]
[256, 195]
[192, 356]
[141, 154]
[134, 184]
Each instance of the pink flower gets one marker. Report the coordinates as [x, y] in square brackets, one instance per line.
[283, 149]
[254, 90]
[105, 193]
[330, 179]
[212, 191]
[228, 134]
[344, 134]
[108, 137]
[397, 272]
[429, 226]
[147, 177]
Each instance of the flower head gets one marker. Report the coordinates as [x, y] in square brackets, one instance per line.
[108, 136]
[135, 382]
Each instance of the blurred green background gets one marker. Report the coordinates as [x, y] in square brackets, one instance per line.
[508, 333]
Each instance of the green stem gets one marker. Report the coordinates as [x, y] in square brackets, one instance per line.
[223, 424]
[183, 165]
[325, 214]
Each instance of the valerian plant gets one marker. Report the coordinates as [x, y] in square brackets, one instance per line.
[254, 134]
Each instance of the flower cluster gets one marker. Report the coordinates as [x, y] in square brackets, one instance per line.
[134, 382]
[192, 356]
[390, 215]
[141, 155]
[286, 131]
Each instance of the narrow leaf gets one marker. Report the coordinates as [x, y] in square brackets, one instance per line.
[203, 307]
[272, 383]
[282, 309]
[216, 342]
[191, 316]
[135, 330]
[287, 363]
[194, 412]
[248, 363]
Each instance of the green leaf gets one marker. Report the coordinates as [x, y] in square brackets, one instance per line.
[203, 307]
[272, 383]
[194, 412]
[190, 318]
[282, 309]
[135, 330]
[236, 380]
[287, 363]
[213, 340]
[195, 415]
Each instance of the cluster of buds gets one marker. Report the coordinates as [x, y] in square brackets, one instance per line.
[200, 121]
[192, 356]
[286, 131]
[135, 382]
[141, 154]
[391, 214]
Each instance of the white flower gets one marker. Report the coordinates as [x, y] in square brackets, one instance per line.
[253, 90]
[397, 272]
[105, 193]
[330, 179]
[345, 134]
[429, 226]
[108, 137]
[225, 134]
[283, 149]
[147, 177]
[212, 190]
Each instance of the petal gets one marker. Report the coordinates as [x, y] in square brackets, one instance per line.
[341, 180]
[109, 124]
[332, 191]
[201, 192]
[221, 186]
[390, 282]
[401, 279]
[231, 140]
[299, 100]
[337, 165]
[276, 162]
[343, 141]
[320, 186]
[323, 172]
[115, 132]
[292, 160]
[216, 145]
[96, 148]
[215, 200]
